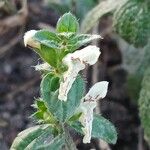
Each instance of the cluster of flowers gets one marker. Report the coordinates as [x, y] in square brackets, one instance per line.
[76, 62]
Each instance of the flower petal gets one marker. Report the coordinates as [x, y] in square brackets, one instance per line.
[99, 90]
[43, 67]
[88, 55]
[88, 103]
[86, 119]
[29, 41]
[76, 62]
[68, 79]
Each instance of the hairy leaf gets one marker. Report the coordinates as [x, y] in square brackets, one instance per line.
[45, 35]
[144, 104]
[102, 129]
[132, 23]
[79, 40]
[49, 55]
[36, 138]
[50, 45]
[44, 142]
[41, 105]
[67, 23]
[42, 115]
[60, 109]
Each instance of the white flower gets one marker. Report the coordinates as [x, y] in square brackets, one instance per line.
[29, 41]
[76, 62]
[43, 67]
[99, 90]
[86, 119]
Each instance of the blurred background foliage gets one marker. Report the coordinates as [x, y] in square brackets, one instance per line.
[125, 63]
[80, 8]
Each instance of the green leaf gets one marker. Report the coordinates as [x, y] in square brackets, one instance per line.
[77, 126]
[47, 84]
[104, 129]
[54, 83]
[49, 43]
[40, 104]
[144, 105]
[79, 40]
[48, 39]
[97, 12]
[75, 117]
[27, 138]
[60, 109]
[131, 22]
[101, 128]
[65, 36]
[67, 23]
[45, 35]
[48, 54]
[38, 115]
[50, 144]
[74, 41]
[42, 115]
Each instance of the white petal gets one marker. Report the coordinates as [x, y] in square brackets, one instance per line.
[76, 62]
[99, 90]
[28, 35]
[43, 67]
[88, 103]
[69, 77]
[86, 119]
[29, 41]
[88, 55]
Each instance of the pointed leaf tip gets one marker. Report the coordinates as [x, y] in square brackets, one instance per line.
[67, 23]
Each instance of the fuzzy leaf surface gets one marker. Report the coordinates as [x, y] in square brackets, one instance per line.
[60, 109]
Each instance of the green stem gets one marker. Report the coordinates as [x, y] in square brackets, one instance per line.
[70, 145]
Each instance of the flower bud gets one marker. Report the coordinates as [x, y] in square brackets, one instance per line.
[29, 40]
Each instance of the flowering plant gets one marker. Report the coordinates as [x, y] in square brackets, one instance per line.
[63, 105]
